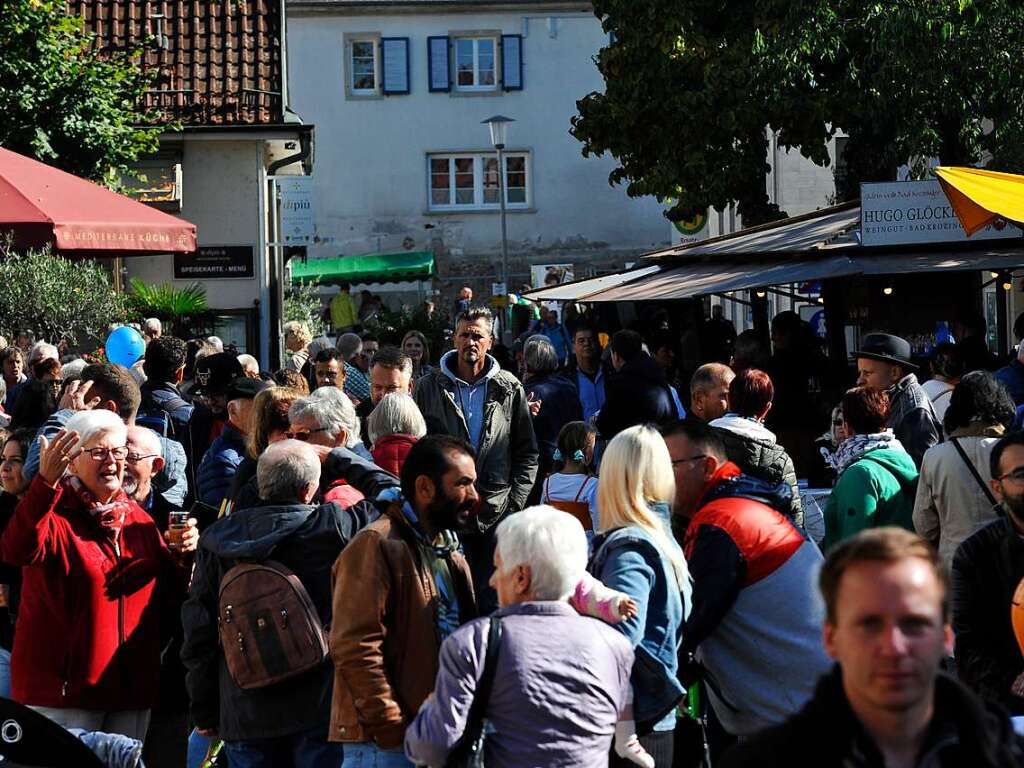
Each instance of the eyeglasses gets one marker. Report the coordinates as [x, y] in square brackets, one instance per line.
[692, 458]
[135, 458]
[304, 434]
[99, 454]
[1017, 475]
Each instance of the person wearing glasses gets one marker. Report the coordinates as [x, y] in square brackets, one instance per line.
[987, 568]
[87, 643]
[755, 624]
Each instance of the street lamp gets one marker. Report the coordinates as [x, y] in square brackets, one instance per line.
[499, 131]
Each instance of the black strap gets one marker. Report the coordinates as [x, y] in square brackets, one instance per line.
[981, 483]
[467, 752]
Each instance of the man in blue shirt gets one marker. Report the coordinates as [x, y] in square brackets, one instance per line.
[590, 374]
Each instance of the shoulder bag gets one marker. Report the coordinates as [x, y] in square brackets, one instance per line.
[469, 753]
[974, 472]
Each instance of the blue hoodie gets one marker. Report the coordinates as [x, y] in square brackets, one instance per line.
[471, 397]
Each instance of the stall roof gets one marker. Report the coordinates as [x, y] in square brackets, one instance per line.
[370, 268]
[811, 247]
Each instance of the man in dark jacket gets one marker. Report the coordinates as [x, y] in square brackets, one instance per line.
[886, 704]
[217, 472]
[162, 401]
[638, 392]
[400, 588]
[290, 717]
[390, 372]
[883, 364]
[987, 568]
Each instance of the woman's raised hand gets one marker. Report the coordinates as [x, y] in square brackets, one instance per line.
[55, 456]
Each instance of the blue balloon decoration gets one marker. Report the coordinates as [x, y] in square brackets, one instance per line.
[124, 346]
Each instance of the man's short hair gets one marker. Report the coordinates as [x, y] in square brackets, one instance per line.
[865, 410]
[627, 344]
[349, 345]
[327, 355]
[540, 355]
[551, 543]
[704, 439]
[291, 379]
[430, 458]
[369, 336]
[152, 326]
[10, 351]
[114, 382]
[392, 358]
[1014, 438]
[474, 314]
[750, 392]
[709, 376]
[286, 470]
[395, 414]
[585, 327]
[164, 356]
[877, 545]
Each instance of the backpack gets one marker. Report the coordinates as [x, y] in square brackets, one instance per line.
[269, 628]
[158, 418]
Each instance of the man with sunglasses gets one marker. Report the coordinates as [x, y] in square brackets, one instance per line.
[987, 568]
[754, 628]
[217, 470]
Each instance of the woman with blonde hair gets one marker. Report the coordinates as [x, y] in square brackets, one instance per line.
[635, 554]
[296, 340]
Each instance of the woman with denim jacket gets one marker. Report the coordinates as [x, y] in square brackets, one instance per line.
[636, 554]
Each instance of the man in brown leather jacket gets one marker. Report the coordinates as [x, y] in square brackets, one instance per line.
[400, 588]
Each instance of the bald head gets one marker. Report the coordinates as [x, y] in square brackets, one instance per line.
[709, 391]
[145, 460]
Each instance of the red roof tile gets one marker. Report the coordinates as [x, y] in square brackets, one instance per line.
[219, 62]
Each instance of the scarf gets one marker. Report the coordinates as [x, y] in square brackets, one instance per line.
[855, 447]
[111, 515]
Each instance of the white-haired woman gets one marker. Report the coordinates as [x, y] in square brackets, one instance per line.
[394, 426]
[97, 575]
[636, 554]
[328, 418]
[560, 680]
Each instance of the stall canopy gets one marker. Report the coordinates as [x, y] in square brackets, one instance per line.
[371, 268]
[41, 205]
[979, 197]
[816, 246]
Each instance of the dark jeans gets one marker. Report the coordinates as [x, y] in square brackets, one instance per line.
[309, 749]
[659, 744]
[479, 550]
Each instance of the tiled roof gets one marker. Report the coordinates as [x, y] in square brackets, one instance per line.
[219, 61]
[447, 4]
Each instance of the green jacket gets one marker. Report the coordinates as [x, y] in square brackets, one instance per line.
[878, 489]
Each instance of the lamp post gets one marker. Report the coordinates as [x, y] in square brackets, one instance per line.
[499, 131]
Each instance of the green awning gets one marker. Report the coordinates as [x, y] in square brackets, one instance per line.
[371, 268]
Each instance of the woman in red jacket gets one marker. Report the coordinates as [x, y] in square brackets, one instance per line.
[394, 427]
[97, 575]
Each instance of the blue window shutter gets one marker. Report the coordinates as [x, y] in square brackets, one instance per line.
[512, 62]
[439, 70]
[395, 64]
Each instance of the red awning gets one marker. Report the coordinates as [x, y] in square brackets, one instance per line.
[43, 205]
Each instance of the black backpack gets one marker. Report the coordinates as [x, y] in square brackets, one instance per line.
[158, 418]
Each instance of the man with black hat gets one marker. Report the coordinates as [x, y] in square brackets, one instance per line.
[211, 377]
[215, 474]
[883, 364]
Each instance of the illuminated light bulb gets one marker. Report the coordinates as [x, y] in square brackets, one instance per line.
[887, 290]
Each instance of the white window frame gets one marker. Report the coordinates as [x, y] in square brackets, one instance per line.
[351, 91]
[495, 41]
[478, 203]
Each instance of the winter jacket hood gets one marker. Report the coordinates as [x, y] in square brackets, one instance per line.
[449, 367]
[897, 462]
[729, 482]
[253, 533]
[389, 452]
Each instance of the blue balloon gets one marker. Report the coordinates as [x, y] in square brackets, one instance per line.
[124, 346]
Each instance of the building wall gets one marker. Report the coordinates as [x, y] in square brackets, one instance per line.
[371, 154]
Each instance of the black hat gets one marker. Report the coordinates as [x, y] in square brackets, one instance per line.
[245, 387]
[887, 348]
[215, 372]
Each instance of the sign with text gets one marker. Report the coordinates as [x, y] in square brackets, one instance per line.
[912, 212]
[215, 262]
[297, 222]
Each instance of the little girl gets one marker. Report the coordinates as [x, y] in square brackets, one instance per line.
[593, 598]
[573, 489]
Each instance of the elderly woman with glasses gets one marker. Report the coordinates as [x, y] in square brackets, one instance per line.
[87, 643]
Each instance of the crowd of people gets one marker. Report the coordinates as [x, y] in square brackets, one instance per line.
[556, 554]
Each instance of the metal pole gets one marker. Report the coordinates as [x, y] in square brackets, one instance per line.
[504, 235]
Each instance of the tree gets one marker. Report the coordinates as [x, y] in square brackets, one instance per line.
[65, 102]
[57, 298]
[693, 86]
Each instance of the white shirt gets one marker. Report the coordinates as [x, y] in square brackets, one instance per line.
[561, 487]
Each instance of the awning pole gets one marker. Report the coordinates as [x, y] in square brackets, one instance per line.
[835, 326]
[762, 323]
[1002, 321]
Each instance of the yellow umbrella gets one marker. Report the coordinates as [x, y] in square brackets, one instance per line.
[979, 197]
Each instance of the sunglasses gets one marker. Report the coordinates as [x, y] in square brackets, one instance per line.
[304, 434]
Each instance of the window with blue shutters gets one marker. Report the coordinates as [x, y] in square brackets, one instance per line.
[512, 62]
[438, 66]
[394, 65]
